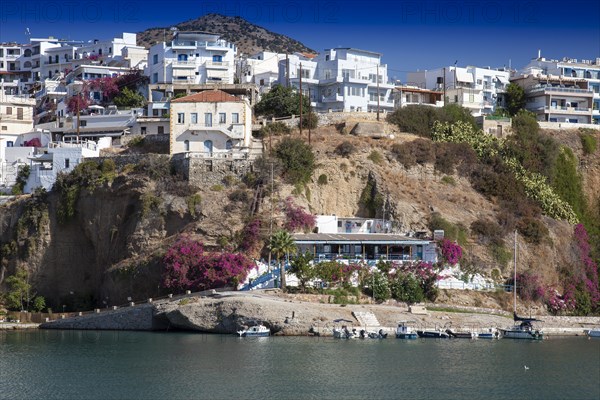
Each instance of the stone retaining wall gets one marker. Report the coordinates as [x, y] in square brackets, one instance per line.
[136, 318]
[210, 171]
[332, 118]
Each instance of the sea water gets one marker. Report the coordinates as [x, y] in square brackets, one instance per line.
[143, 365]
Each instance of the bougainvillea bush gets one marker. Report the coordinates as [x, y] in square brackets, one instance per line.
[296, 219]
[451, 252]
[188, 267]
[424, 273]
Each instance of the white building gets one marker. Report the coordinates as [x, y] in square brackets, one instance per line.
[15, 68]
[192, 58]
[340, 79]
[566, 90]
[262, 69]
[209, 123]
[411, 95]
[474, 88]
[60, 157]
[16, 114]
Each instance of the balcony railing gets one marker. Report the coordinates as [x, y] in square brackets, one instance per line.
[577, 110]
[559, 89]
[217, 64]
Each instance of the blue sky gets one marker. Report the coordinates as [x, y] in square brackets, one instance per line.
[411, 34]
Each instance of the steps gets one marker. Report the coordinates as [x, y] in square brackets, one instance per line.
[366, 318]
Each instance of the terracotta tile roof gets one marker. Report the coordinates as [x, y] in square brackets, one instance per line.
[207, 96]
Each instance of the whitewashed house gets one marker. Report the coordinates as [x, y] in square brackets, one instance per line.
[341, 79]
[210, 123]
[474, 88]
[262, 69]
[192, 58]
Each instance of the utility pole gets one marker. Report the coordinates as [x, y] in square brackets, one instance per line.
[78, 111]
[300, 99]
[309, 115]
[377, 92]
[271, 219]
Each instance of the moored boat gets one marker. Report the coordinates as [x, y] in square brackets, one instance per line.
[433, 333]
[344, 333]
[490, 333]
[403, 331]
[255, 331]
[594, 332]
[461, 335]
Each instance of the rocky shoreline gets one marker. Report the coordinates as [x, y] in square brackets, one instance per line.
[228, 312]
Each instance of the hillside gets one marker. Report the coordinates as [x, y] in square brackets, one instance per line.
[124, 221]
[248, 37]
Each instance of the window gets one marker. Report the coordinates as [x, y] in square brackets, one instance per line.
[180, 118]
[143, 130]
[67, 162]
[194, 118]
[217, 58]
[4, 128]
[161, 130]
[8, 110]
[155, 59]
[182, 57]
[222, 118]
[186, 145]
[82, 123]
[229, 145]
[347, 73]
[208, 146]
[208, 119]
[305, 73]
[155, 77]
[235, 118]
[10, 143]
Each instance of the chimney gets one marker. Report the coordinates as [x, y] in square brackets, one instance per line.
[539, 54]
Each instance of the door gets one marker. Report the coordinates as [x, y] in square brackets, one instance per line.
[208, 147]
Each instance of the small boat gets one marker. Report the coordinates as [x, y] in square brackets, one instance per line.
[433, 333]
[524, 330]
[594, 332]
[255, 331]
[461, 335]
[490, 333]
[403, 331]
[374, 335]
[344, 333]
[523, 327]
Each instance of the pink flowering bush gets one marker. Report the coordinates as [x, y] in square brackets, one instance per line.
[587, 280]
[251, 236]
[424, 273]
[78, 102]
[296, 219]
[188, 267]
[336, 273]
[106, 86]
[451, 252]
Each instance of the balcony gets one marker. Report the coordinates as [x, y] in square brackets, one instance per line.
[184, 45]
[332, 99]
[217, 64]
[566, 110]
[183, 64]
[553, 89]
[234, 131]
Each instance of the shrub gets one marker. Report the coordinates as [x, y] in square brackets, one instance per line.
[310, 120]
[149, 203]
[370, 199]
[193, 202]
[405, 287]
[21, 181]
[381, 287]
[239, 196]
[188, 267]
[275, 129]
[500, 254]
[487, 231]
[448, 180]
[155, 167]
[322, 179]
[451, 252]
[217, 188]
[567, 182]
[345, 149]
[588, 142]
[417, 119]
[296, 218]
[532, 229]
[251, 236]
[376, 157]
[529, 286]
[297, 159]
[451, 231]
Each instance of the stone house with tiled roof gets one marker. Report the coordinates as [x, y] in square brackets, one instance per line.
[211, 123]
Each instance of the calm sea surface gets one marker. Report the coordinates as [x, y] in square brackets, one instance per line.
[137, 365]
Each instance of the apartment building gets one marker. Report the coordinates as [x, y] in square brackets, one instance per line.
[340, 79]
[210, 123]
[261, 69]
[15, 68]
[566, 90]
[474, 88]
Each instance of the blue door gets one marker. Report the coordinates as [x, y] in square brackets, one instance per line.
[208, 146]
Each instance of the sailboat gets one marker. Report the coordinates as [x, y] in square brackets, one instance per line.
[523, 327]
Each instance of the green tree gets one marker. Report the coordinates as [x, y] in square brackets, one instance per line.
[567, 181]
[297, 159]
[405, 287]
[39, 303]
[129, 99]
[281, 102]
[381, 287]
[19, 289]
[21, 181]
[303, 268]
[515, 98]
[281, 243]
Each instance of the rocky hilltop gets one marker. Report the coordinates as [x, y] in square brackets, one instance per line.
[248, 37]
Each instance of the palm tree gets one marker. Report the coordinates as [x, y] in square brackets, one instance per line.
[282, 243]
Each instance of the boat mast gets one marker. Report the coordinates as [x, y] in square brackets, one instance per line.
[515, 278]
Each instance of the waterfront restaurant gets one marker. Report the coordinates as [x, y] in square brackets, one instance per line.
[365, 242]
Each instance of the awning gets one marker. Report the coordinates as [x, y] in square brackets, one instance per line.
[463, 76]
[502, 79]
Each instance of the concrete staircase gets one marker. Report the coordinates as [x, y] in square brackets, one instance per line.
[256, 149]
[366, 318]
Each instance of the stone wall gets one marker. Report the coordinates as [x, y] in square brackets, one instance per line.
[332, 118]
[122, 160]
[211, 171]
[138, 318]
